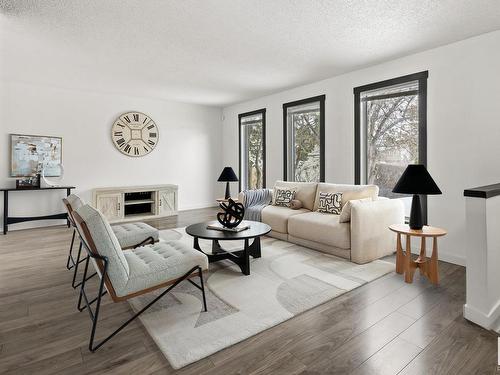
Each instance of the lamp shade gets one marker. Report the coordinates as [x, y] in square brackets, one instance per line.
[227, 175]
[416, 180]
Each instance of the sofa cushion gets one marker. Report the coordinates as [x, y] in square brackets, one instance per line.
[305, 191]
[322, 228]
[277, 217]
[131, 234]
[75, 201]
[349, 192]
[155, 264]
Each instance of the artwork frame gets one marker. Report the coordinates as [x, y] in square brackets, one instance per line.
[29, 153]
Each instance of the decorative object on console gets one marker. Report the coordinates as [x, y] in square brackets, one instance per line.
[330, 203]
[227, 176]
[233, 214]
[134, 134]
[28, 183]
[30, 153]
[48, 181]
[283, 197]
[416, 180]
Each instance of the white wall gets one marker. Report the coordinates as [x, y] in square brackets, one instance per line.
[463, 126]
[188, 152]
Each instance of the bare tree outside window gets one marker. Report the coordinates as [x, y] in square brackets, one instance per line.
[304, 141]
[390, 122]
[252, 150]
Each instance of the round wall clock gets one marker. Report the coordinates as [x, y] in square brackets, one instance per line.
[134, 134]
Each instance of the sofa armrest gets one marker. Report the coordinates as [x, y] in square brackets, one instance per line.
[370, 236]
[241, 196]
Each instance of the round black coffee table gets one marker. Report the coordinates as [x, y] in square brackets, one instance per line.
[240, 257]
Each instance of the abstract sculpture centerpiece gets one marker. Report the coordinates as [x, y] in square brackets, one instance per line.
[233, 214]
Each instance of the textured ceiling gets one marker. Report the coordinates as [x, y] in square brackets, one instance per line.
[219, 52]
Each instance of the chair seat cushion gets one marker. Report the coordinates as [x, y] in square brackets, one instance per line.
[156, 264]
[277, 217]
[131, 234]
[321, 227]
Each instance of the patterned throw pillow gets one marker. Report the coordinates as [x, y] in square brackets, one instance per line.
[283, 197]
[330, 203]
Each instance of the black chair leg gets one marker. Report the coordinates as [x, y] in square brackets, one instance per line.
[94, 315]
[75, 271]
[70, 254]
[200, 274]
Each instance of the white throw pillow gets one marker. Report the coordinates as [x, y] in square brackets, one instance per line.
[345, 215]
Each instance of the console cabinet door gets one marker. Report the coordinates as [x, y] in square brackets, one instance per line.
[167, 202]
[111, 205]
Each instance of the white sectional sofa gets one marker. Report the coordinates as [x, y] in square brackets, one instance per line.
[362, 239]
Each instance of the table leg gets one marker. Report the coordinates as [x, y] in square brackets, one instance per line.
[245, 265]
[5, 211]
[433, 271]
[399, 255]
[421, 260]
[196, 244]
[68, 192]
[254, 248]
[409, 268]
[216, 248]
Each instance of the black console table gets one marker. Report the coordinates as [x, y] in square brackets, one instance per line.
[12, 220]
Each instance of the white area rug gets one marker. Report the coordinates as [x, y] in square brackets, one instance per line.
[287, 280]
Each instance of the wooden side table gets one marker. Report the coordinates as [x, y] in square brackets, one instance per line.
[404, 262]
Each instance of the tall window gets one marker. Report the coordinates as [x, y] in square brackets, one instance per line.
[252, 134]
[304, 140]
[390, 131]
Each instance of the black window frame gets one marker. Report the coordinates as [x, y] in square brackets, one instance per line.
[262, 112]
[321, 99]
[421, 77]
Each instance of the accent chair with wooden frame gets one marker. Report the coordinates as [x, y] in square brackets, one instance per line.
[125, 274]
[129, 235]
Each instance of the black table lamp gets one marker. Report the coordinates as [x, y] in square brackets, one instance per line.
[227, 176]
[416, 180]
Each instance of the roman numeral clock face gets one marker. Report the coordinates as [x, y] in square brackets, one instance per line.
[134, 134]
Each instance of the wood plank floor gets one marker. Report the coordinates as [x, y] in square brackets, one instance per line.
[384, 327]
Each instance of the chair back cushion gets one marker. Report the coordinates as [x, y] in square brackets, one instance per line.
[304, 191]
[75, 201]
[106, 244]
[349, 192]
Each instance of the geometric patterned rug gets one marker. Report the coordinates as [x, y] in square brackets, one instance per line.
[287, 280]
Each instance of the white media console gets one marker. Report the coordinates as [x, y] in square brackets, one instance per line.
[132, 203]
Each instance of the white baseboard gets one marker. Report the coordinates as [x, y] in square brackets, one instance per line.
[198, 206]
[488, 320]
[36, 224]
[445, 257]
[52, 223]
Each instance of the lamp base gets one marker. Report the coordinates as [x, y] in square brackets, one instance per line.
[416, 221]
[228, 193]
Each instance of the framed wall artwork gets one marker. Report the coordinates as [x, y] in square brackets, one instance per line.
[32, 153]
